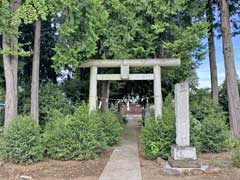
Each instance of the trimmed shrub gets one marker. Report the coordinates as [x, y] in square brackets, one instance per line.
[208, 133]
[80, 136]
[195, 134]
[158, 136]
[1, 131]
[21, 142]
[1, 135]
[1, 118]
[57, 137]
[214, 134]
[111, 126]
[121, 118]
[236, 156]
[201, 105]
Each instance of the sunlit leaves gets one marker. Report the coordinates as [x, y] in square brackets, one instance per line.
[31, 10]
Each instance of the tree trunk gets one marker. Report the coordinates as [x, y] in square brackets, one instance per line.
[105, 94]
[230, 71]
[35, 72]
[212, 56]
[10, 63]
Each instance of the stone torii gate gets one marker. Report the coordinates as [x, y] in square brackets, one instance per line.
[125, 75]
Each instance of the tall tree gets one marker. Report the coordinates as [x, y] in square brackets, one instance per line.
[10, 60]
[212, 55]
[39, 10]
[35, 72]
[231, 76]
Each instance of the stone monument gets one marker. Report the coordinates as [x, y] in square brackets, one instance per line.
[183, 156]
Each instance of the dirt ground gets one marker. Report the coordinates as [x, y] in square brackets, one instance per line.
[56, 170]
[220, 168]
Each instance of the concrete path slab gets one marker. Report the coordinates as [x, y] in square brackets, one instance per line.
[124, 162]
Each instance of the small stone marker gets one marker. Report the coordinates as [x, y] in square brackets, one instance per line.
[182, 151]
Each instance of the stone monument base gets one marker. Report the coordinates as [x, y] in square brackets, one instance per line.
[184, 163]
[183, 153]
[168, 169]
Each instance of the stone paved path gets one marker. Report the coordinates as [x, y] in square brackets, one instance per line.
[124, 162]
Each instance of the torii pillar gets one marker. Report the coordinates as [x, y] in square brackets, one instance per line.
[157, 92]
[93, 88]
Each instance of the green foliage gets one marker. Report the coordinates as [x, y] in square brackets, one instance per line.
[1, 133]
[81, 135]
[58, 138]
[30, 11]
[121, 118]
[5, 16]
[51, 97]
[223, 97]
[1, 140]
[236, 156]
[195, 134]
[158, 136]
[111, 126]
[81, 24]
[21, 142]
[122, 28]
[1, 118]
[215, 134]
[201, 104]
[75, 88]
[210, 132]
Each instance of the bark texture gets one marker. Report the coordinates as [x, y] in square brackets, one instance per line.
[10, 63]
[35, 72]
[231, 76]
[105, 94]
[212, 55]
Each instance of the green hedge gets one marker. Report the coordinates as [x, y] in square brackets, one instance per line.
[21, 142]
[111, 126]
[77, 136]
[82, 135]
[210, 130]
[158, 135]
[214, 134]
[236, 156]
[1, 117]
[209, 133]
